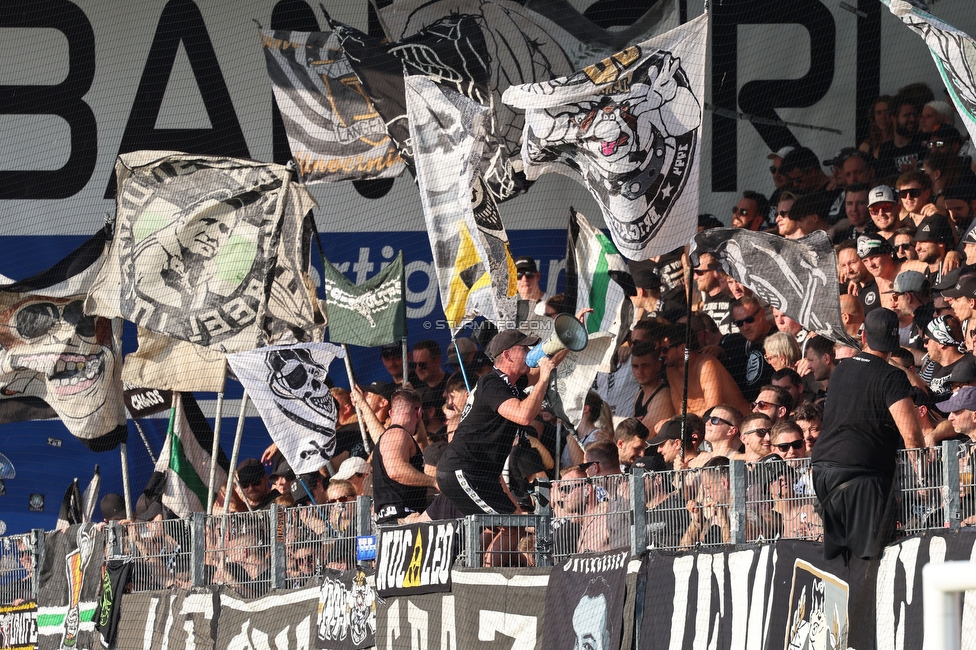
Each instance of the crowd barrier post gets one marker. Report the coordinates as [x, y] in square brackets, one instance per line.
[279, 559]
[638, 513]
[737, 509]
[950, 484]
[198, 546]
[115, 534]
[37, 552]
[543, 532]
[472, 541]
[364, 515]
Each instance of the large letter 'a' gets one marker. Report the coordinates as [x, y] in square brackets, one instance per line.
[181, 21]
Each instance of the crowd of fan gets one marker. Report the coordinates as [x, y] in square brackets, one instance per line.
[899, 209]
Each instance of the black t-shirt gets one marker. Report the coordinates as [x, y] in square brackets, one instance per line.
[891, 158]
[432, 396]
[483, 438]
[940, 387]
[350, 438]
[836, 211]
[870, 296]
[671, 272]
[746, 362]
[858, 429]
[719, 309]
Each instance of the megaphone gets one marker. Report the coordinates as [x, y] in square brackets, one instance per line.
[568, 333]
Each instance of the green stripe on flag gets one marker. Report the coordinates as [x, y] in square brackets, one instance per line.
[86, 615]
[179, 463]
[601, 283]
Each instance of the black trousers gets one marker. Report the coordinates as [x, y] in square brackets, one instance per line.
[856, 508]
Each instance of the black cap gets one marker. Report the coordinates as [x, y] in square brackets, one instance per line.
[250, 471]
[966, 288]
[948, 280]
[961, 192]
[392, 350]
[934, 228]
[113, 507]
[869, 245]
[384, 389]
[800, 158]
[645, 278]
[526, 264]
[946, 133]
[841, 156]
[881, 328]
[280, 467]
[670, 430]
[817, 203]
[706, 221]
[147, 509]
[509, 338]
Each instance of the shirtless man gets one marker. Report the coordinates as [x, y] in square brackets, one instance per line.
[709, 383]
[722, 433]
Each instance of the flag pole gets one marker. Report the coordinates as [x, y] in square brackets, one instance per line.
[215, 450]
[359, 416]
[126, 490]
[559, 440]
[232, 470]
[406, 363]
[684, 387]
[464, 373]
[142, 434]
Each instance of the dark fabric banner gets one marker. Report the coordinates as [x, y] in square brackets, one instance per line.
[416, 558]
[142, 402]
[369, 314]
[109, 609]
[347, 611]
[585, 602]
[174, 619]
[280, 620]
[70, 581]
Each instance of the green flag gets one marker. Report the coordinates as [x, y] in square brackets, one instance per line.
[370, 314]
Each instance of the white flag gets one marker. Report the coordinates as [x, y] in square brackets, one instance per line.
[628, 128]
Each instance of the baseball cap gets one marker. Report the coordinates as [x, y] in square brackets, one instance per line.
[670, 430]
[817, 203]
[934, 228]
[881, 328]
[970, 237]
[706, 220]
[841, 156]
[350, 467]
[526, 264]
[800, 158]
[963, 289]
[909, 282]
[384, 389]
[946, 133]
[881, 194]
[282, 468]
[249, 471]
[465, 345]
[964, 371]
[961, 192]
[964, 398]
[112, 507]
[391, 350]
[869, 245]
[507, 339]
[645, 278]
[949, 279]
[780, 154]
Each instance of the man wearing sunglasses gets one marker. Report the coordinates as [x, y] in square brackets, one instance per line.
[745, 358]
[751, 211]
[715, 299]
[431, 378]
[754, 432]
[786, 440]
[527, 283]
[254, 484]
[722, 433]
[868, 416]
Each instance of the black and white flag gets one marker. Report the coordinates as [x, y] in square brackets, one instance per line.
[288, 385]
[334, 130]
[628, 128]
[797, 277]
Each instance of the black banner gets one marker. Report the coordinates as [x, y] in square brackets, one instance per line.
[142, 402]
[416, 558]
[347, 611]
[18, 626]
[585, 602]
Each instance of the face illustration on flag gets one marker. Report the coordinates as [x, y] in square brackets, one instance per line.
[334, 131]
[57, 362]
[475, 271]
[288, 385]
[196, 239]
[628, 129]
[953, 51]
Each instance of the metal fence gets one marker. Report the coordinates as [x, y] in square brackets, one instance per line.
[20, 555]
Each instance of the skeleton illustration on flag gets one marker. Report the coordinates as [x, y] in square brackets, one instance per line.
[288, 385]
[197, 239]
[57, 362]
[475, 270]
[953, 51]
[628, 129]
[334, 130]
[798, 277]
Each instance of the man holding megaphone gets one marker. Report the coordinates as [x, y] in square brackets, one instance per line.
[469, 472]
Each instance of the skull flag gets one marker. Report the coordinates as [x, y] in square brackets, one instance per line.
[798, 277]
[628, 129]
[197, 247]
[334, 131]
[57, 362]
[288, 384]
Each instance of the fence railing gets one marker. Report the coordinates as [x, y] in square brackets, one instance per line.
[254, 552]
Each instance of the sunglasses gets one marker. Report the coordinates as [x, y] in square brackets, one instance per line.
[665, 348]
[39, 318]
[525, 274]
[773, 169]
[796, 445]
[740, 211]
[878, 208]
[905, 247]
[761, 405]
[937, 143]
[588, 465]
[251, 483]
[716, 420]
[420, 365]
[911, 193]
[783, 213]
[748, 320]
[345, 499]
[762, 433]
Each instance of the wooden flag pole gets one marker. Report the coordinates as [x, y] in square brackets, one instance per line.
[232, 470]
[214, 452]
[126, 491]
[359, 416]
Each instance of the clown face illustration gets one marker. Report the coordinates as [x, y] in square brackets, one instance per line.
[56, 353]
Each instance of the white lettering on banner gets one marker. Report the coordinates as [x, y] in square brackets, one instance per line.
[596, 564]
[682, 568]
[146, 400]
[448, 628]
[147, 634]
[703, 631]
[420, 560]
[392, 622]
[417, 619]
[522, 628]
[969, 607]
[428, 296]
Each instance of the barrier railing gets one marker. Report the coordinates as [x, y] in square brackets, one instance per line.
[254, 552]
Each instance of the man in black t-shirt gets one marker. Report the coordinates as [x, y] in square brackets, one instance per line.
[905, 151]
[745, 358]
[716, 301]
[868, 416]
[399, 482]
[469, 472]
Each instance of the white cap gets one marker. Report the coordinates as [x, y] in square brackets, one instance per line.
[881, 194]
[780, 154]
[351, 466]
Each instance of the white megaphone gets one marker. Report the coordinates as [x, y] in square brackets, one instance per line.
[567, 333]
